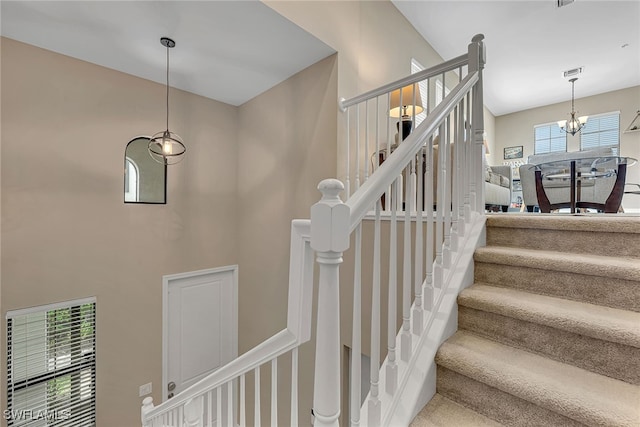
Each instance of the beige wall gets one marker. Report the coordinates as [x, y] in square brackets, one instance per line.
[374, 41]
[286, 146]
[517, 129]
[66, 232]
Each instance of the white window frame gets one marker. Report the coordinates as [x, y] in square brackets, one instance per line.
[51, 365]
[535, 140]
[587, 131]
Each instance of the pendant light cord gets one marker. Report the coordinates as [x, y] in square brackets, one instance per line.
[167, 88]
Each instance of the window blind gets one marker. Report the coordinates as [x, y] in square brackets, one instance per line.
[424, 91]
[602, 130]
[549, 138]
[51, 365]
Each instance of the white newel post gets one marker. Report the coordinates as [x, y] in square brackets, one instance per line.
[193, 411]
[477, 59]
[329, 238]
[147, 405]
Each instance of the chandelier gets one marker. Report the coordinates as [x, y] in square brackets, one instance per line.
[574, 124]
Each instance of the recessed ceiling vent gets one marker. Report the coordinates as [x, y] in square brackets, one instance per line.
[575, 72]
[561, 3]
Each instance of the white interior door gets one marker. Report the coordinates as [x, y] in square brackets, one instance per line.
[200, 325]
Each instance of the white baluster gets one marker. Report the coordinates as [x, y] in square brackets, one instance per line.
[294, 387]
[405, 337]
[210, 408]
[373, 404]
[429, 244]
[357, 183]
[460, 171]
[467, 169]
[388, 199]
[230, 396]
[453, 245]
[411, 196]
[356, 344]
[418, 279]
[391, 375]
[256, 411]
[329, 238]
[219, 407]
[147, 405]
[437, 269]
[243, 408]
[446, 247]
[366, 141]
[348, 180]
[274, 392]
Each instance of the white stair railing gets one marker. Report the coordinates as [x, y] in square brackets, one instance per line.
[437, 168]
[440, 207]
[220, 398]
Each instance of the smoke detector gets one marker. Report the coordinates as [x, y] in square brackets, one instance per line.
[575, 72]
[561, 3]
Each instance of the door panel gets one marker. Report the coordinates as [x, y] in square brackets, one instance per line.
[200, 325]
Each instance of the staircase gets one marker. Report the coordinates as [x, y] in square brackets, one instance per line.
[549, 334]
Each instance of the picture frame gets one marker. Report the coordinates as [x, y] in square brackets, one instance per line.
[515, 152]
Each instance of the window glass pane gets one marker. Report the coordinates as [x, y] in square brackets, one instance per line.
[549, 138]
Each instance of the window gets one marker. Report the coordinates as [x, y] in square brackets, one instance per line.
[602, 130]
[131, 188]
[549, 138]
[51, 365]
[423, 85]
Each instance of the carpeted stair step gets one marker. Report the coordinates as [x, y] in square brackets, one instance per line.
[600, 339]
[596, 279]
[614, 235]
[516, 387]
[442, 412]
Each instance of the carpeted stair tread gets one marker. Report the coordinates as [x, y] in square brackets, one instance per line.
[587, 264]
[592, 223]
[581, 395]
[443, 412]
[610, 324]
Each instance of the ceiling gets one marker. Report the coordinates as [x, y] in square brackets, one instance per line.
[230, 51]
[530, 43]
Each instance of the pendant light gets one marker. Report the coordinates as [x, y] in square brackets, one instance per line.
[167, 147]
[574, 124]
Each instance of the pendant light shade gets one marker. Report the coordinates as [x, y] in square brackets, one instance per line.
[165, 146]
